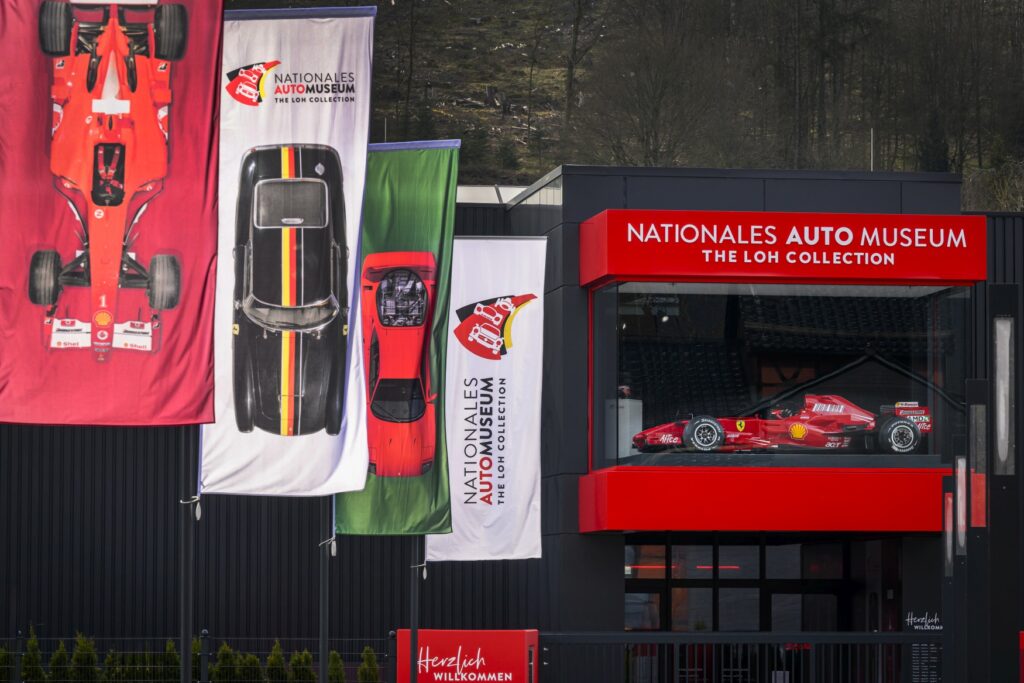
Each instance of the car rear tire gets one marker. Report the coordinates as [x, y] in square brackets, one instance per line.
[704, 433]
[55, 21]
[170, 27]
[164, 288]
[899, 435]
[44, 278]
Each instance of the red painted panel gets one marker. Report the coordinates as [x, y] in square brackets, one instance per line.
[471, 656]
[761, 499]
[744, 246]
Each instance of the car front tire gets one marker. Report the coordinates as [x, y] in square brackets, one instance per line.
[44, 278]
[704, 434]
[164, 288]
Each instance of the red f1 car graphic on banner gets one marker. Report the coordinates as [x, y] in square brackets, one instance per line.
[823, 422]
[111, 95]
[398, 290]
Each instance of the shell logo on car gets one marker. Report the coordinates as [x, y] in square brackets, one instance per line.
[798, 431]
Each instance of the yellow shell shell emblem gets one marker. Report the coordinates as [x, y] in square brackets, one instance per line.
[741, 425]
[103, 318]
[798, 431]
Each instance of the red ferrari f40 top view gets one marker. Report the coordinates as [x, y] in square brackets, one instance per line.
[110, 95]
[824, 421]
[398, 290]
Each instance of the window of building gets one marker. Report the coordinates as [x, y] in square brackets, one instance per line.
[699, 374]
[767, 582]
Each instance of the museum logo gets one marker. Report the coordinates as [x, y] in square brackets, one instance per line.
[247, 84]
[485, 327]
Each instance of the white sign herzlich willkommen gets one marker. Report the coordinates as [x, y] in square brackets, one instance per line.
[493, 400]
[290, 399]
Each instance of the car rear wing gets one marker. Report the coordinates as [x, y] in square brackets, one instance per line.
[911, 410]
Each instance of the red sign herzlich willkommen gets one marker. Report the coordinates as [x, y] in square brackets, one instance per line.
[741, 246]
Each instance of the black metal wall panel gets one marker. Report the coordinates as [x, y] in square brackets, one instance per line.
[480, 219]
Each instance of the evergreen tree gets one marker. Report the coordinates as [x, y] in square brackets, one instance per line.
[225, 668]
[84, 661]
[114, 667]
[195, 659]
[59, 672]
[249, 669]
[32, 660]
[6, 664]
[335, 668]
[170, 664]
[300, 668]
[276, 672]
[368, 671]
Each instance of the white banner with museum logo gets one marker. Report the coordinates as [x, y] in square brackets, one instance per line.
[493, 400]
[289, 392]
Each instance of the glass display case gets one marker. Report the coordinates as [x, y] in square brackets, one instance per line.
[729, 374]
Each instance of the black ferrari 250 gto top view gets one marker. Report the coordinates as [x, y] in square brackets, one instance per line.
[291, 299]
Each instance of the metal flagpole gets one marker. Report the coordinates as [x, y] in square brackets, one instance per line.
[186, 536]
[414, 607]
[327, 529]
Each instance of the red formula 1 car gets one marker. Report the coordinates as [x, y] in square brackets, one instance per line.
[397, 300]
[111, 92]
[824, 421]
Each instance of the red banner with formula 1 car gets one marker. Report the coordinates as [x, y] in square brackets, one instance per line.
[108, 211]
[295, 94]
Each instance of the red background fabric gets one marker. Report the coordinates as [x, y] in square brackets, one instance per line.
[173, 385]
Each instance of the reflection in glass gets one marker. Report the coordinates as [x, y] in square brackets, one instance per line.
[643, 611]
[738, 609]
[645, 562]
[739, 562]
[691, 609]
[692, 562]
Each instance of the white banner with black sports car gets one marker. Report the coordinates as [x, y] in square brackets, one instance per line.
[493, 400]
[295, 95]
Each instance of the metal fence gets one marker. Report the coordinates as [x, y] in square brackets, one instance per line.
[218, 660]
[741, 657]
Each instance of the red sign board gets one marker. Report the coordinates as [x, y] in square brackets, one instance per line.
[742, 246]
[762, 499]
[470, 656]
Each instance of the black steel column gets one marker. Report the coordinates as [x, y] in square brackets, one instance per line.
[414, 607]
[189, 440]
[327, 528]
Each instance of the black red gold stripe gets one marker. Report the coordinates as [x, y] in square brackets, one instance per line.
[289, 398]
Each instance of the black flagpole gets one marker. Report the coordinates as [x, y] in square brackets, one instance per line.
[327, 529]
[414, 608]
[185, 538]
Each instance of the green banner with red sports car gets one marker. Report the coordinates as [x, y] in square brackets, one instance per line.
[403, 280]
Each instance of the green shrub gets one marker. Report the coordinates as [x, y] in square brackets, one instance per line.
[275, 671]
[249, 669]
[6, 665]
[225, 668]
[368, 671]
[59, 672]
[335, 668]
[84, 661]
[32, 660]
[170, 664]
[300, 668]
[114, 667]
[195, 659]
